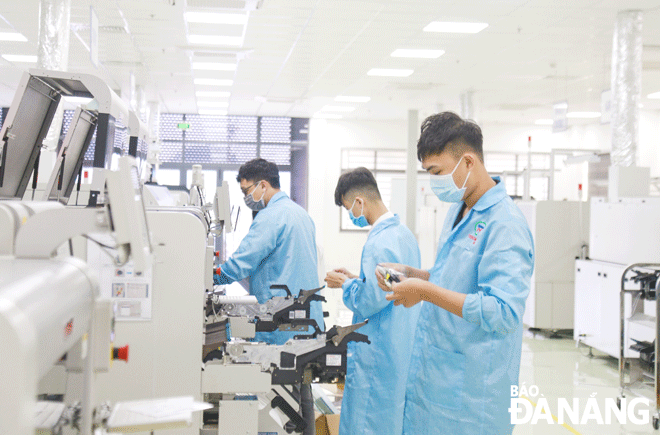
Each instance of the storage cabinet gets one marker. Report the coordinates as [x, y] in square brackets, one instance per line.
[597, 308]
[557, 240]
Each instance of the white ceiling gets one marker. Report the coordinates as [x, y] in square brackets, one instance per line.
[298, 55]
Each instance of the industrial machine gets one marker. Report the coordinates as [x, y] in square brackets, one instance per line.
[251, 384]
[115, 290]
[29, 118]
[621, 233]
[50, 306]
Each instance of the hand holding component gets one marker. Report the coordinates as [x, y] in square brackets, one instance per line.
[408, 293]
[389, 275]
[335, 279]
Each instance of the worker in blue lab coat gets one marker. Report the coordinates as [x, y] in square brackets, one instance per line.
[374, 394]
[467, 346]
[279, 248]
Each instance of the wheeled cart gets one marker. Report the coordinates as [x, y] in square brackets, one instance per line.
[643, 276]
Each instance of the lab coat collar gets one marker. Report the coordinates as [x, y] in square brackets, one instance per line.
[278, 196]
[492, 196]
[387, 222]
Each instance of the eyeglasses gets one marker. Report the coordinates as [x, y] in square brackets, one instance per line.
[247, 189]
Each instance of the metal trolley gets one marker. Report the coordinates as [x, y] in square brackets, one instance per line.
[646, 277]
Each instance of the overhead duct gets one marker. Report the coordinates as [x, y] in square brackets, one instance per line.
[626, 86]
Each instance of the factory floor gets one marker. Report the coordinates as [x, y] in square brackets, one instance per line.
[560, 370]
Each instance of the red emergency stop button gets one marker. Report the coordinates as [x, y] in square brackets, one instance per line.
[120, 353]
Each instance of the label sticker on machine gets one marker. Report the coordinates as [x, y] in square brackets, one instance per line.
[297, 314]
[333, 360]
[129, 289]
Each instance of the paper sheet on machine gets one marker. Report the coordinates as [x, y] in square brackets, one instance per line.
[170, 412]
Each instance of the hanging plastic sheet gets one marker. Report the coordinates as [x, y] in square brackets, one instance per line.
[626, 86]
[53, 51]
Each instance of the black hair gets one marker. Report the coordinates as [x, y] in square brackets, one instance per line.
[358, 179]
[259, 169]
[449, 131]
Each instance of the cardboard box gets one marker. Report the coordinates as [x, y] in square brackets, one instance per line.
[327, 424]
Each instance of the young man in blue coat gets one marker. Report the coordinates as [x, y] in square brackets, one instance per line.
[279, 248]
[374, 394]
[467, 347]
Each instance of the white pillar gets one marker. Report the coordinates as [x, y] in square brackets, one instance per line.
[411, 170]
[467, 105]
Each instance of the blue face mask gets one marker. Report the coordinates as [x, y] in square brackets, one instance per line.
[360, 221]
[445, 187]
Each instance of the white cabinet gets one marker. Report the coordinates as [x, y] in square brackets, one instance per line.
[597, 308]
[555, 226]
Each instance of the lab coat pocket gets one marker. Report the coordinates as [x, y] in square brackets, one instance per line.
[444, 378]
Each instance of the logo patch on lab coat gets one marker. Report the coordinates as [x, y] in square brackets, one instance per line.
[478, 228]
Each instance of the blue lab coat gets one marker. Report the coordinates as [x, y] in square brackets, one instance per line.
[279, 248]
[462, 369]
[374, 393]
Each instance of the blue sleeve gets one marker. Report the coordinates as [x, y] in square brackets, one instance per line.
[363, 295]
[255, 247]
[503, 277]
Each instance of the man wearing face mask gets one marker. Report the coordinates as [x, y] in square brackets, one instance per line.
[373, 403]
[467, 346]
[279, 248]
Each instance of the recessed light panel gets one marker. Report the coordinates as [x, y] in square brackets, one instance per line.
[417, 53]
[454, 27]
[351, 99]
[384, 72]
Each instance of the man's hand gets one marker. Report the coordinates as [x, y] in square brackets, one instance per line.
[407, 292]
[346, 272]
[335, 279]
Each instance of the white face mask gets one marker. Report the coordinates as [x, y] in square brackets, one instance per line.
[445, 187]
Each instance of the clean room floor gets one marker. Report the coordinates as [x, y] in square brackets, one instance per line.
[561, 370]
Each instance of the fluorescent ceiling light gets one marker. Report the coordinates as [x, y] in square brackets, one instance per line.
[451, 27]
[215, 40]
[213, 94]
[384, 72]
[338, 109]
[215, 18]
[77, 100]
[351, 99]
[417, 53]
[543, 122]
[212, 104]
[214, 82]
[584, 115]
[214, 66]
[327, 115]
[20, 58]
[212, 112]
[12, 36]
[654, 96]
